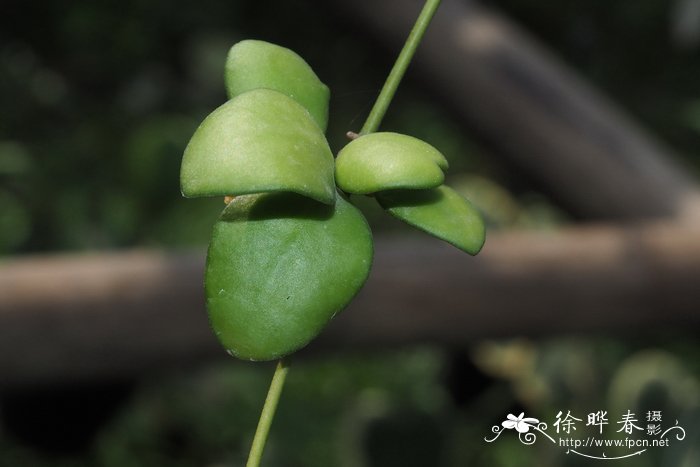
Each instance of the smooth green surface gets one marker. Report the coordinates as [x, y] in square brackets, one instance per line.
[253, 64]
[256, 142]
[441, 212]
[387, 161]
[279, 267]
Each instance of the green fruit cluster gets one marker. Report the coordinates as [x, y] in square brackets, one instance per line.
[290, 251]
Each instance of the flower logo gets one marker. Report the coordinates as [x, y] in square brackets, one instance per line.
[521, 425]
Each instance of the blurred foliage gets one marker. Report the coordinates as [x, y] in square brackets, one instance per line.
[393, 409]
[98, 101]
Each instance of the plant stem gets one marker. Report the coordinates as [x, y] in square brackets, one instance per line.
[392, 82]
[268, 413]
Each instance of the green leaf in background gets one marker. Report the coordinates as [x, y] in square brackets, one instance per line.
[387, 161]
[258, 141]
[15, 222]
[14, 158]
[441, 212]
[279, 267]
[255, 64]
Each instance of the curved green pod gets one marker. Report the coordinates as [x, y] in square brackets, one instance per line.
[279, 267]
[253, 64]
[441, 212]
[257, 142]
[388, 161]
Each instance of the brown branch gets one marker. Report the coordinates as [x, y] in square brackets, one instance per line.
[124, 314]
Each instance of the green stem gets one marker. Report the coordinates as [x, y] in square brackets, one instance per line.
[392, 82]
[268, 413]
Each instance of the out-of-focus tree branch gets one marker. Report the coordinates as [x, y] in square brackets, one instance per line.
[124, 314]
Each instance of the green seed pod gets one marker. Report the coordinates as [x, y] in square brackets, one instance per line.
[257, 142]
[256, 64]
[388, 161]
[279, 267]
[441, 212]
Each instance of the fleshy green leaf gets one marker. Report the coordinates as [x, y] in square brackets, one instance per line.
[255, 64]
[258, 141]
[388, 161]
[279, 267]
[441, 212]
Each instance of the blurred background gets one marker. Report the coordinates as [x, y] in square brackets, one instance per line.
[574, 127]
